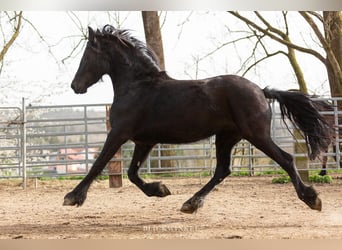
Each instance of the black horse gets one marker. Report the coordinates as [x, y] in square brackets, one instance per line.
[150, 107]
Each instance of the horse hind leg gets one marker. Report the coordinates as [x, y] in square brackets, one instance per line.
[150, 189]
[224, 144]
[305, 193]
[324, 164]
[324, 171]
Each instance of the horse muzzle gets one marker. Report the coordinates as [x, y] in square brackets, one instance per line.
[78, 89]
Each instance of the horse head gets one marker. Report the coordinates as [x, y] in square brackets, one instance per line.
[94, 63]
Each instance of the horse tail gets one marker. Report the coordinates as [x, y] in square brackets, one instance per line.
[301, 111]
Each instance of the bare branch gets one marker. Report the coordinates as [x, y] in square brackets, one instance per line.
[76, 20]
[223, 45]
[253, 52]
[42, 39]
[163, 20]
[326, 45]
[286, 23]
[276, 38]
[75, 48]
[315, 28]
[83, 35]
[317, 15]
[269, 26]
[183, 23]
[115, 17]
[268, 55]
[13, 37]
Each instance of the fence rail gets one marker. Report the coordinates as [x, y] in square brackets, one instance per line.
[65, 140]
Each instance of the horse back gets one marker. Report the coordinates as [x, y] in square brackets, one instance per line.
[173, 111]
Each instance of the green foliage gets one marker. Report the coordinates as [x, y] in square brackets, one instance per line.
[281, 180]
[320, 179]
[313, 178]
[271, 172]
[61, 178]
[240, 173]
[102, 177]
[165, 175]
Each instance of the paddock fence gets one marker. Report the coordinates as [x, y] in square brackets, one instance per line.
[52, 141]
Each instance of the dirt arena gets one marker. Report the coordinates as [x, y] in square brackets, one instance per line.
[239, 208]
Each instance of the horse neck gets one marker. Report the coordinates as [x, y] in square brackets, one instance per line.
[123, 75]
[123, 79]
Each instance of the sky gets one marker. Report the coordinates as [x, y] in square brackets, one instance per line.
[32, 72]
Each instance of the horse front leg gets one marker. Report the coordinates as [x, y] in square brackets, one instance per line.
[141, 151]
[79, 194]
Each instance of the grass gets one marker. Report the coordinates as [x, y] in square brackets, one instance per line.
[283, 178]
[62, 178]
[312, 178]
[320, 179]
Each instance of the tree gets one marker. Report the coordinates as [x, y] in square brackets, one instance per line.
[14, 28]
[153, 34]
[330, 42]
[332, 21]
[15, 22]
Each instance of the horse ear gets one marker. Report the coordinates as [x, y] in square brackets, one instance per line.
[92, 38]
[91, 34]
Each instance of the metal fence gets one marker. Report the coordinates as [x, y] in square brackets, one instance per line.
[51, 141]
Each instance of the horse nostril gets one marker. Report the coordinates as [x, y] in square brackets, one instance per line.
[77, 88]
[74, 87]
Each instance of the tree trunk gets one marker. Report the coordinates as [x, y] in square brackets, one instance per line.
[153, 35]
[333, 35]
[297, 69]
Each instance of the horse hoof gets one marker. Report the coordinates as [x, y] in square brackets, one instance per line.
[68, 202]
[322, 173]
[317, 205]
[164, 191]
[156, 189]
[71, 200]
[187, 208]
[192, 205]
[311, 199]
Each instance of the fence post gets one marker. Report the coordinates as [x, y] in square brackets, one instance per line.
[211, 141]
[250, 159]
[23, 142]
[86, 144]
[302, 162]
[337, 134]
[114, 167]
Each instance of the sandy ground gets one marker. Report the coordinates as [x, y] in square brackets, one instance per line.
[239, 208]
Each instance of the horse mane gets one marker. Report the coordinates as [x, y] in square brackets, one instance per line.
[139, 49]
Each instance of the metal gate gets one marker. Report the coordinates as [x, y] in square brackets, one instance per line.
[12, 142]
[51, 141]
